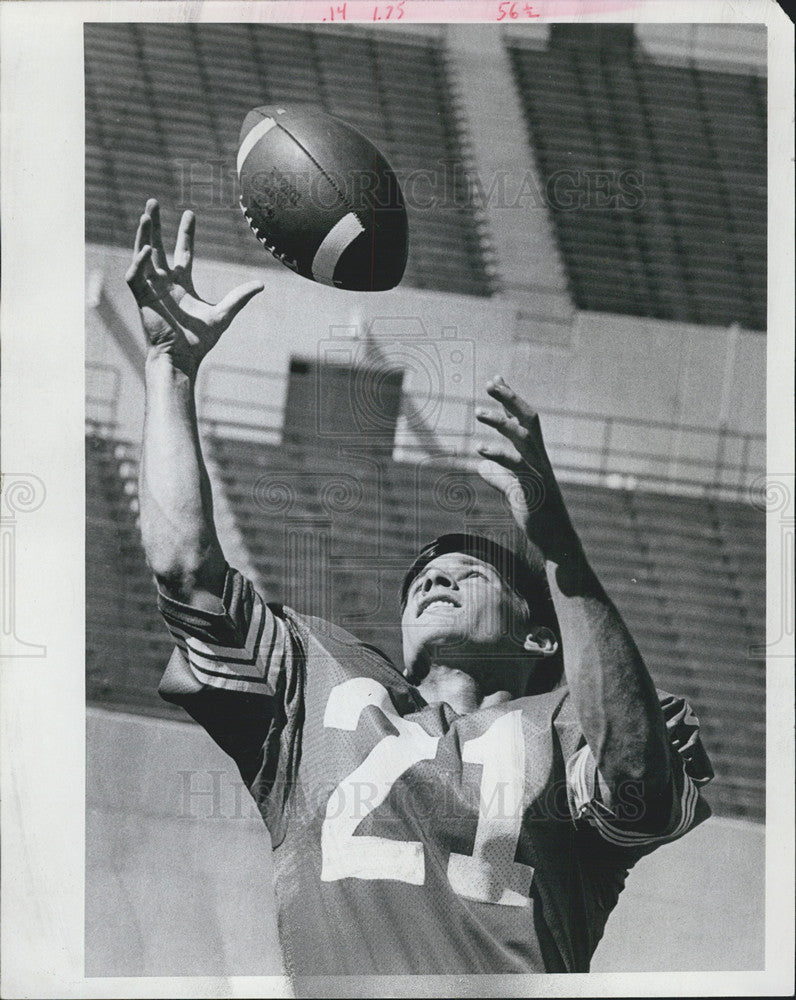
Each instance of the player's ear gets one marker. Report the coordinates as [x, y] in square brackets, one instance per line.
[541, 641]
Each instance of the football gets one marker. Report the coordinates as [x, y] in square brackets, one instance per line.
[322, 199]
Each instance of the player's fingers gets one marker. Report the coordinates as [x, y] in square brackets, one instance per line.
[524, 492]
[229, 307]
[143, 234]
[508, 426]
[514, 404]
[138, 273]
[503, 454]
[158, 251]
[183, 250]
[144, 238]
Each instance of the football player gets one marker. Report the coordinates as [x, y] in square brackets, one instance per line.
[475, 810]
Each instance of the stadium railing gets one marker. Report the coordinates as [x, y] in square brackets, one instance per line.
[601, 449]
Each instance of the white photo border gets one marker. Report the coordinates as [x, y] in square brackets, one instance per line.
[43, 697]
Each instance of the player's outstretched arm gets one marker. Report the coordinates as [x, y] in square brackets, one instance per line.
[613, 693]
[177, 526]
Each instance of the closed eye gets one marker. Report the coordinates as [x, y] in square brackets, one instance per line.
[413, 590]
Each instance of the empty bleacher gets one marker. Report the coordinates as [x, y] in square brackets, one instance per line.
[164, 106]
[656, 178]
[127, 645]
[332, 535]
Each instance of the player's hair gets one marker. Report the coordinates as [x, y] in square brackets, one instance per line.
[524, 573]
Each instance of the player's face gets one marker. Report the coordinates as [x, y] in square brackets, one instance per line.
[459, 607]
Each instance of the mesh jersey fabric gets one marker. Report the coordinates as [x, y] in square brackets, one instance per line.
[409, 839]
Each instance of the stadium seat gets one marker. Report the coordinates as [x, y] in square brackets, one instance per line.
[146, 135]
[691, 592]
[694, 248]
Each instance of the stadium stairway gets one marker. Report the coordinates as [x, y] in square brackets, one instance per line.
[687, 574]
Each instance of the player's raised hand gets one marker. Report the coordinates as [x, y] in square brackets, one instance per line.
[518, 466]
[173, 316]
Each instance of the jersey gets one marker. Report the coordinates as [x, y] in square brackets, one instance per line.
[407, 838]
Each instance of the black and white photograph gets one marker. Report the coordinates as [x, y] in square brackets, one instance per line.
[432, 556]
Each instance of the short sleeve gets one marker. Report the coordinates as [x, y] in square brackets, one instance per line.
[691, 769]
[232, 669]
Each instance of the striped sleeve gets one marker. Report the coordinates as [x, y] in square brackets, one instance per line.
[243, 647]
[691, 769]
[235, 671]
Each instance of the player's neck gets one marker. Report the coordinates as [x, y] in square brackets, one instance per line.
[463, 692]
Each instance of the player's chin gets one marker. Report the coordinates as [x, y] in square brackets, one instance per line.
[439, 634]
[423, 644]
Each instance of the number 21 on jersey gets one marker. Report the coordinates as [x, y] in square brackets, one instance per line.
[490, 874]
